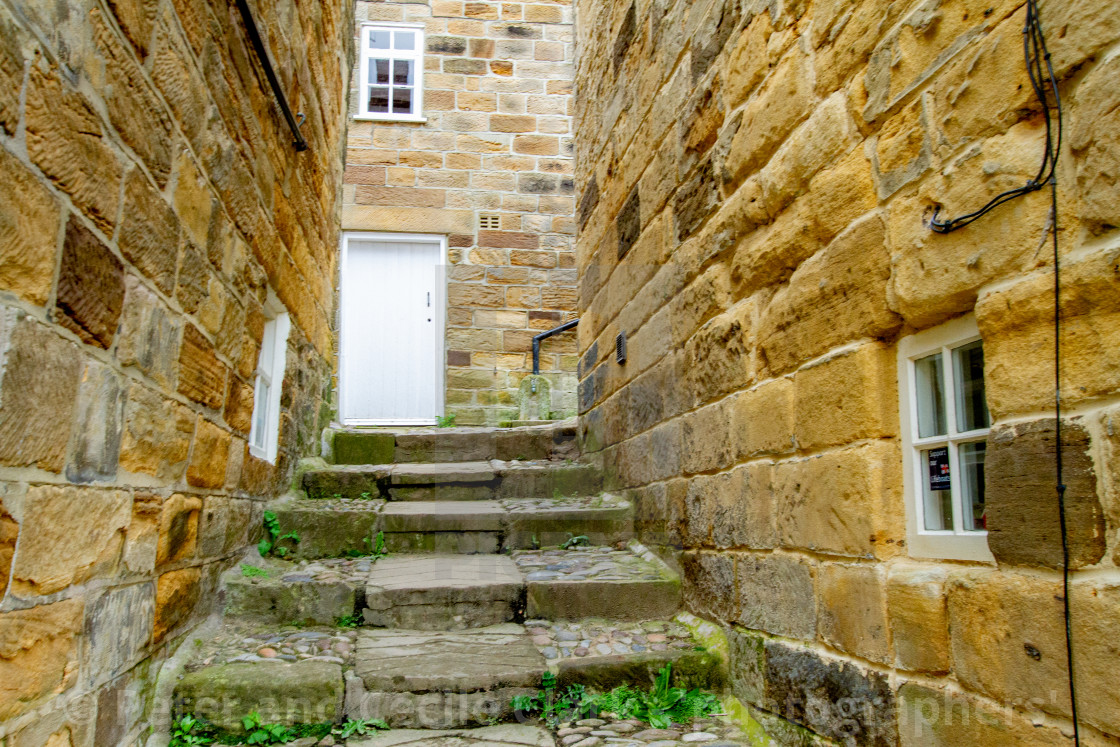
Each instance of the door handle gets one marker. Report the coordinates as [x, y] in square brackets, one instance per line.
[429, 299]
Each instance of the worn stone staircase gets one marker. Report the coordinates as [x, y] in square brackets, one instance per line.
[477, 598]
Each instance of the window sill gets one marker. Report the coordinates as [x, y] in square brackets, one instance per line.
[260, 453]
[373, 118]
[948, 546]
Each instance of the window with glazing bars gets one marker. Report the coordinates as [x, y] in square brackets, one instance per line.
[391, 72]
[945, 426]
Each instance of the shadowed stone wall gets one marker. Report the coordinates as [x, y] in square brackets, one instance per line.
[497, 142]
[754, 180]
[149, 197]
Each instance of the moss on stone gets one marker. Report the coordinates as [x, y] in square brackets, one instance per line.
[306, 692]
[710, 635]
[350, 447]
[776, 731]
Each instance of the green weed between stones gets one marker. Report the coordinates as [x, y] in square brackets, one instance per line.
[445, 421]
[251, 571]
[375, 550]
[361, 727]
[573, 541]
[189, 731]
[273, 536]
[349, 621]
[660, 707]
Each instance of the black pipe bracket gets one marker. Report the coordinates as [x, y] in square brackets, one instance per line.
[266, 64]
[544, 336]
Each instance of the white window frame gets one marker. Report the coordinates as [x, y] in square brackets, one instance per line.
[269, 380]
[955, 544]
[365, 54]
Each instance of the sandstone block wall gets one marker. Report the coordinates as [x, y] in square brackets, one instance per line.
[497, 142]
[754, 180]
[149, 197]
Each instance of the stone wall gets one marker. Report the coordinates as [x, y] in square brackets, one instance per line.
[497, 142]
[150, 196]
[755, 180]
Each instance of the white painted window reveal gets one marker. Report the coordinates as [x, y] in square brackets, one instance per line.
[265, 431]
[945, 425]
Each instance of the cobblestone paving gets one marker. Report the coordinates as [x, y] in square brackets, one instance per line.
[375, 504]
[328, 569]
[372, 504]
[586, 638]
[564, 503]
[577, 564]
[585, 563]
[600, 732]
[502, 735]
[242, 642]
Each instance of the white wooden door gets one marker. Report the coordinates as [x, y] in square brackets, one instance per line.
[391, 346]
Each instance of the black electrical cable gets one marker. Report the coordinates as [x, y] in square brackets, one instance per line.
[1041, 72]
[1061, 486]
[1034, 50]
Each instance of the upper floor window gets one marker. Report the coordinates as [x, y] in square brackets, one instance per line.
[264, 433]
[945, 425]
[391, 74]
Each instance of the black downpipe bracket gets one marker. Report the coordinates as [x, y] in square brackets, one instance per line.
[269, 73]
[543, 336]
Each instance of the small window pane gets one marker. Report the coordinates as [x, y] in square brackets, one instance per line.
[260, 413]
[968, 369]
[936, 493]
[379, 72]
[402, 73]
[378, 99]
[402, 100]
[379, 39]
[405, 40]
[268, 346]
[972, 485]
[931, 396]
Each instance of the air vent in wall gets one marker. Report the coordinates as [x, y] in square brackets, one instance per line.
[620, 348]
[489, 222]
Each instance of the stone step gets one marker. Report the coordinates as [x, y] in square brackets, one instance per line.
[389, 445]
[416, 678]
[465, 527]
[443, 592]
[328, 528]
[499, 735]
[448, 592]
[722, 731]
[629, 584]
[322, 593]
[340, 526]
[439, 680]
[605, 653]
[304, 692]
[457, 481]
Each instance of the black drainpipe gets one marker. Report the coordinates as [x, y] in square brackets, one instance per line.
[266, 63]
